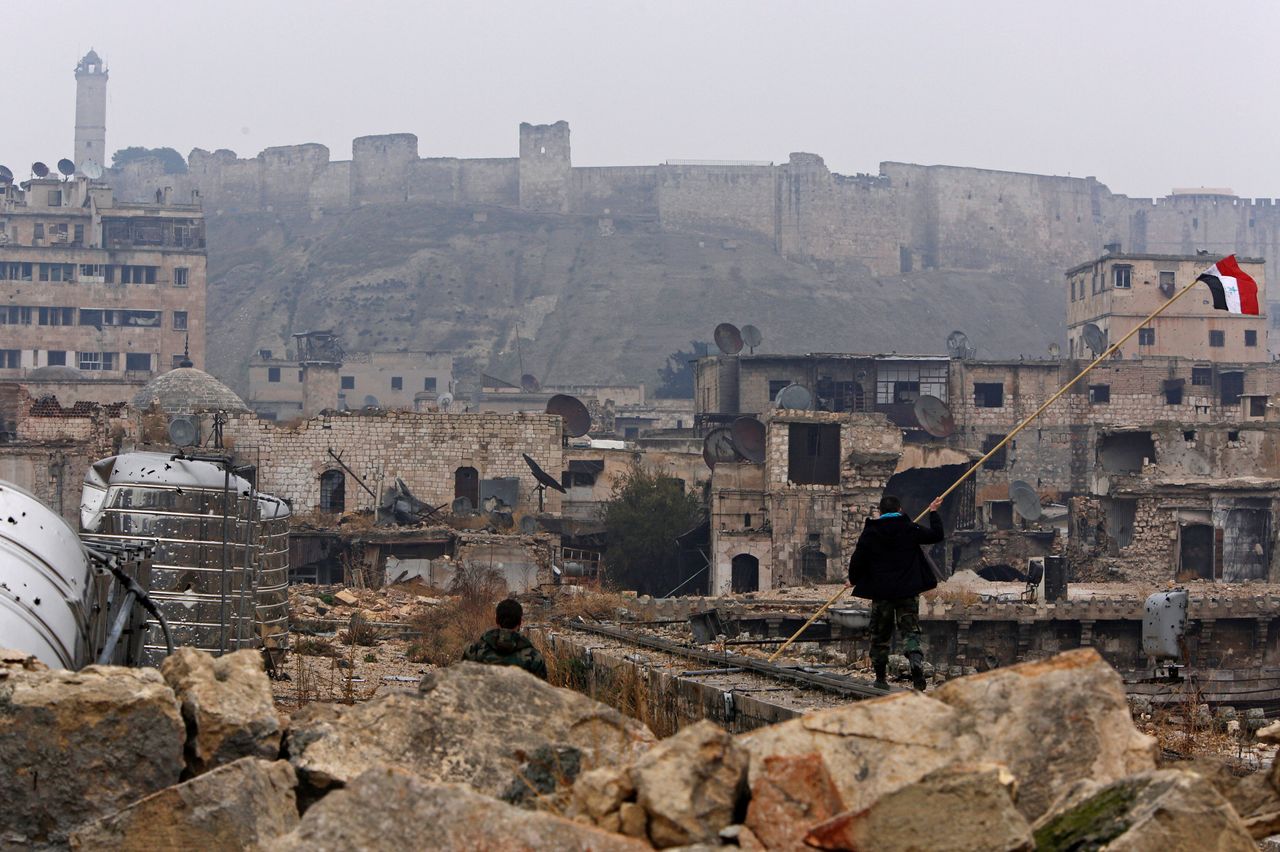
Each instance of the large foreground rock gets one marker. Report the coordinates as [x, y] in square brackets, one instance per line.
[1166, 810]
[962, 808]
[238, 806]
[227, 704]
[473, 724]
[1051, 723]
[690, 785]
[390, 808]
[77, 745]
[791, 794]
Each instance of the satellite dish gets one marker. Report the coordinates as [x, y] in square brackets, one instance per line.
[6, 175]
[529, 525]
[1025, 499]
[39, 169]
[728, 338]
[748, 438]
[796, 397]
[542, 476]
[184, 431]
[461, 506]
[958, 345]
[577, 420]
[91, 170]
[529, 383]
[1095, 338]
[1054, 350]
[445, 400]
[752, 337]
[66, 167]
[718, 447]
[934, 416]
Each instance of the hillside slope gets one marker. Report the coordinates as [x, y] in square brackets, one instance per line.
[591, 304]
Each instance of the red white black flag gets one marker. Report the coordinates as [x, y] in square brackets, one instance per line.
[1232, 289]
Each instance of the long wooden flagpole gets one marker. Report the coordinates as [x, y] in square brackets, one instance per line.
[1106, 353]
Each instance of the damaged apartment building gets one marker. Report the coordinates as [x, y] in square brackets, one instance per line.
[1162, 464]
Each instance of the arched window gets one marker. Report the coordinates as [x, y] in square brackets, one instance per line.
[745, 574]
[466, 483]
[333, 491]
[813, 565]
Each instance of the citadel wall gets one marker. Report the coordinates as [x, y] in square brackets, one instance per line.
[907, 218]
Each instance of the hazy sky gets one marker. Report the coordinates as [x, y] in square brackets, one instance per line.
[1144, 95]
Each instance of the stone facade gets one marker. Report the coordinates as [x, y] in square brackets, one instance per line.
[425, 450]
[803, 509]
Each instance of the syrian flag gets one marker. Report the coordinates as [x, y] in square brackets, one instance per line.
[1232, 290]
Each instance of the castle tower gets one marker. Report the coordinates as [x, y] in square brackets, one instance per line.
[545, 167]
[91, 112]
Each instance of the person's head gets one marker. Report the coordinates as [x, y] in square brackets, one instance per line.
[509, 614]
[889, 503]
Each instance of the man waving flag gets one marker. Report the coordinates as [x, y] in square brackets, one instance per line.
[1232, 290]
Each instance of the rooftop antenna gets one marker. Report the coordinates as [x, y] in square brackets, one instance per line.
[577, 420]
[1095, 338]
[752, 337]
[958, 345]
[934, 416]
[91, 170]
[66, 168]
[39, 169]
[545, 480]
[6, 175]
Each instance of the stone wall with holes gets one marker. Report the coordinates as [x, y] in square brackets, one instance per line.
[423, 449]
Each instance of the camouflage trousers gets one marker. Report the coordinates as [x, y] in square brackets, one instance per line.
[900, 613]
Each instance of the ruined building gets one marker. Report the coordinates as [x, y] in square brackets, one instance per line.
[94, 284]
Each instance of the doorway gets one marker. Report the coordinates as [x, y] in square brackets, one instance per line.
[745, 575]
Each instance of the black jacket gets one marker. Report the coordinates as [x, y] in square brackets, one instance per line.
[887, 562]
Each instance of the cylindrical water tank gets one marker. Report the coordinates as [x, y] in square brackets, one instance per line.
[45, 582]
[273, 574]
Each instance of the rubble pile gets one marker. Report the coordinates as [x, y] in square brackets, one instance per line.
[1042, 755]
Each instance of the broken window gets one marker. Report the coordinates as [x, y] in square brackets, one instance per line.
[1257, 406]
[56, 316]
[10, 359]
[1231, 387]
[180, 276]
[1121, 513]
[37, 231]
[1122, 277]
[273, 374]
[180, 320]
[1146, 337]
[333, 491]
[1232, 436]
[1099, 394]
[429, 383]
[996, 462]
[79, 235]
[1000, 514]
[1217, 339]
[56, 358]
[775, 387]
[137, 361]
[813, 454]
[1202, 376]
[744, 575]
[1250, 337]
[1167, 281]
[397, 383]
[348, 382]
[1125, 452]
[1195, 552]
[813, 565]
[15, 315]
[904, 382]
[1173, 391]
[988, 394]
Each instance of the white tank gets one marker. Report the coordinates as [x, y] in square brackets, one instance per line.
[45, 582]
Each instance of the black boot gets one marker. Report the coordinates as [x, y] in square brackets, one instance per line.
[882, 682]
[917, 670]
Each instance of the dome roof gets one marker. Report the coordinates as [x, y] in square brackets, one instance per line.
[56, 373]
[186, 390]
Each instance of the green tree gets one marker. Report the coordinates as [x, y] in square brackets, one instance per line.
[642, 519]
[676, 376]
[174, 164]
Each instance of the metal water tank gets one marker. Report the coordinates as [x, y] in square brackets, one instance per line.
[46, 581]
[204, 521]
[1164, 624]
[273, 575]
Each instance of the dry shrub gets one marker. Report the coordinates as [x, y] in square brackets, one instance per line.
[963, 597]
[448, 629]
[622, 686]
[310, 646]
[360, 632]
[590, 605]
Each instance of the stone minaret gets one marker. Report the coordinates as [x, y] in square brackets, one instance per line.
[91, 112]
